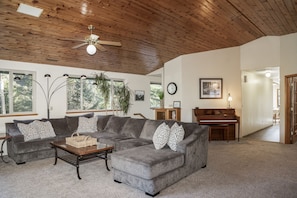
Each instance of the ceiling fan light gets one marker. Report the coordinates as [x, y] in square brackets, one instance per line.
[91, 49]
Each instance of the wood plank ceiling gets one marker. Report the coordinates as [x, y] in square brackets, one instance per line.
[152, 32]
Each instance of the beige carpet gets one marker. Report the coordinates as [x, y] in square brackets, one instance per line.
[245, 169]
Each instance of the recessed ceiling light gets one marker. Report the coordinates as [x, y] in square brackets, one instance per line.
[29, 10]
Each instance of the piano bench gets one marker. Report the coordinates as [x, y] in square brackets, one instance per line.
[224, 127]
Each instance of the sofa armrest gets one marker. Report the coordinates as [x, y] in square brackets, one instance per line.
[14, 132]
[196, 134]
[195, 147]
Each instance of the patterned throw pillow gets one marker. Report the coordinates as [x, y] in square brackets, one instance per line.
[29, 131]
[161, 135]
[45, 129]
[86, 125]
[177, 134]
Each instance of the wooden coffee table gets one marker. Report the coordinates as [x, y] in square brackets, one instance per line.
[74, 156]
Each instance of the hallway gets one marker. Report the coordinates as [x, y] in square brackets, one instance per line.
[269, 134]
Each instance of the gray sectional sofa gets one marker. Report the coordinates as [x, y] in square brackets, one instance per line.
[135, 160]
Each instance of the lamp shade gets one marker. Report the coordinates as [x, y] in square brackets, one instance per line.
[91, 49]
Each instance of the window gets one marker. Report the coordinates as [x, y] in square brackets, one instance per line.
[84, 95]
[155, 94]
[16, 95]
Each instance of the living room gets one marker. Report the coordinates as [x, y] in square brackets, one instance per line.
[232, 64]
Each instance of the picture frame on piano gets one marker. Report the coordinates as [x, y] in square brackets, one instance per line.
[211, 88]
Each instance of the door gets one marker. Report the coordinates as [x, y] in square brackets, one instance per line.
[291, 109]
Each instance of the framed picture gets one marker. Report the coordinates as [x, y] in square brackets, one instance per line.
[211, 88]
[139, 95]
[176, 104]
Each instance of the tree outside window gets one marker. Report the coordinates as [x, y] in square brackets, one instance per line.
[16, 95]
[155, 89]
[84, 95]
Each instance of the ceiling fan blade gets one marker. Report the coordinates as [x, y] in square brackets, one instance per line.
[100, 47]
[68, 39]
[109, 43]
[80, 45]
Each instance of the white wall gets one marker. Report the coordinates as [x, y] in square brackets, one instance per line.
[222, 63]
[172, 73]
[257, 103]
[260, 53]
[257, 94]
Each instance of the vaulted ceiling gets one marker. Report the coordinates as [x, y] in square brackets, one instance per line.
[152, 32]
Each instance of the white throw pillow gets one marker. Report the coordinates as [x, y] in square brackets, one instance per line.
[161, 135]
[177, 134]
[45, 129]
[29, 131]
[86, 125]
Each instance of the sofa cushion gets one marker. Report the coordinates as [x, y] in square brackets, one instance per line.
[176, 135]
[33, 145]
[29, 131]
[72, 121]
[102, 121]
[22, 121]
[146, 162]
[132, 128]
[131, 143]
[161, 136]
[86, 125]
[115, 124]
[149, 129]
[45, 129]
[60, 126]
[189, 128]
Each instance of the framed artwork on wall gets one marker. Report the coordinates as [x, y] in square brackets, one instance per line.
[211, 88]
[176, 104]
[139, 95]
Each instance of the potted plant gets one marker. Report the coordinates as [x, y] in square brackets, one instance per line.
[161, 97]
[123, 95]
[103, 84]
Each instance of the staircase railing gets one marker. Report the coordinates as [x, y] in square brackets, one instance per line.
[140, 114]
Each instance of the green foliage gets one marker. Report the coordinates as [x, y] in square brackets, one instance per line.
[161, 94]
[103, 84]
[123, 94]
[156, 95]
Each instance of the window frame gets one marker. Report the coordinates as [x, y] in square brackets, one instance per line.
[10, 95]
[161, 88]
[81, 109]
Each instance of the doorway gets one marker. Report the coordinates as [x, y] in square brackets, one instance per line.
[261, 104]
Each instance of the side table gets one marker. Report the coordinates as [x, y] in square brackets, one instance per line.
[4, 137]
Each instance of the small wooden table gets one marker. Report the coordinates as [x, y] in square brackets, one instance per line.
[4, 137]
[75, 155]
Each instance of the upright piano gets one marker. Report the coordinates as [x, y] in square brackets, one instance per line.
[218, 119]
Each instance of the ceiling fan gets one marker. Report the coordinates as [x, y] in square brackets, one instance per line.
[94, 42]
